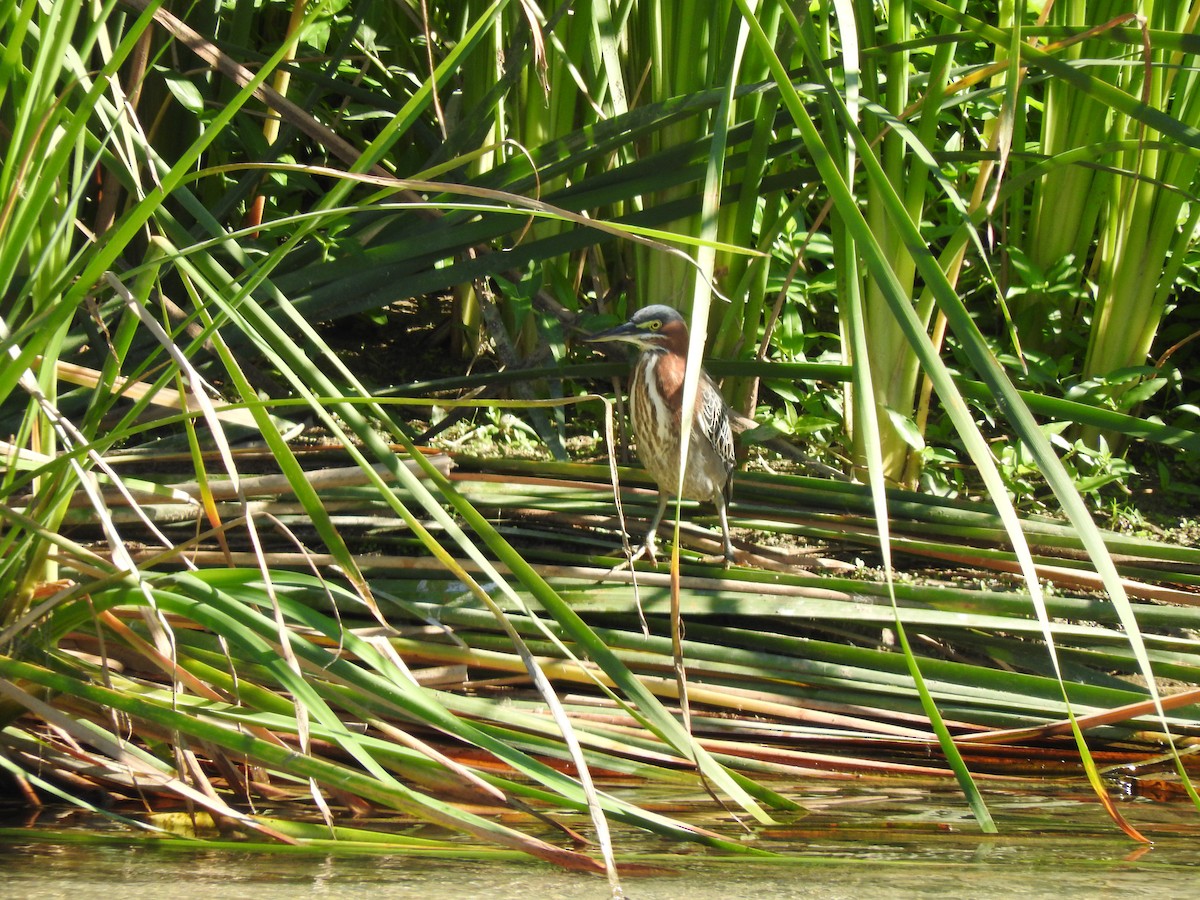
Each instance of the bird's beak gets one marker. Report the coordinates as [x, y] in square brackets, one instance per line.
[625, 332]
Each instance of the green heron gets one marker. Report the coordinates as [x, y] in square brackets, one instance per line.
[656, 402]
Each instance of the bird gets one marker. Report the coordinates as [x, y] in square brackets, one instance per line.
[656, 404]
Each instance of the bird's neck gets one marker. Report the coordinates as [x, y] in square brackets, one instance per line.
[668, 370]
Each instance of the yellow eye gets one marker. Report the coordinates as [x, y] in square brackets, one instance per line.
[654, 324]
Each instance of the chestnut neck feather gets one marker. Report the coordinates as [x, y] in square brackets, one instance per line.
[670, 363]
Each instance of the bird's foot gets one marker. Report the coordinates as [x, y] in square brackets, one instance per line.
[726, 559]
[730, 553]
[647, 550]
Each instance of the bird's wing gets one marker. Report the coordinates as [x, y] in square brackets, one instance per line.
[714, 422]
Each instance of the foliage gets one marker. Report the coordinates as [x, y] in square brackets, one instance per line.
[197, 208]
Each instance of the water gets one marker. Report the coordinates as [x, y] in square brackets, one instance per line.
[857, 840]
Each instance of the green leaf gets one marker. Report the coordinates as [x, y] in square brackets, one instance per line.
[183, 90]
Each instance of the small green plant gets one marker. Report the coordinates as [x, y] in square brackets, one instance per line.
[1092, 469]
[1124, 390]
[1056, 304]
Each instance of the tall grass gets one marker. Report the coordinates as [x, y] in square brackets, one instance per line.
[247, 628]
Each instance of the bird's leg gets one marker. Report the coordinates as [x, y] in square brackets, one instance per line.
[649, 546]
[723, 514]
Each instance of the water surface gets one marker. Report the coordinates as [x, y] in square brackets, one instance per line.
[857, 840]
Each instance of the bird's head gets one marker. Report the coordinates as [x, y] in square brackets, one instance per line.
[649, 328]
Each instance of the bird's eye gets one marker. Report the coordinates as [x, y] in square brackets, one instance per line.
[654, 324]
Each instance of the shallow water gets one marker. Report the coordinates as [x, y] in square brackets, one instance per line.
[857, 840]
